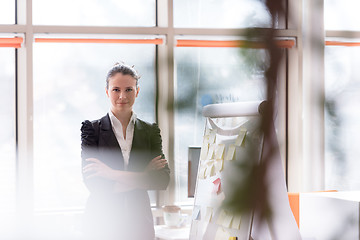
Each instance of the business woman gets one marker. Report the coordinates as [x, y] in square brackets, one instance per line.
[122, 158]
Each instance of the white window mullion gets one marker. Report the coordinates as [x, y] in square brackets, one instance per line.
[25, 116]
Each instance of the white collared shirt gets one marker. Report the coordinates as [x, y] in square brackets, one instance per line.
[125, 144]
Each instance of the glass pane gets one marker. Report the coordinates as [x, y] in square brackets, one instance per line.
[205, 76]
[7, 136]
[69, 87]
[342, 117]
[94, 12]
[221, 14]
[342, 15]
[7, 12]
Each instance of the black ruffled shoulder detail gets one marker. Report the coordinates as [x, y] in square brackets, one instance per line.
[88, 134]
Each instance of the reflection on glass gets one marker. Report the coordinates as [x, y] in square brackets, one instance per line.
[7, 11]
[94, 12]
[7, 135]
[69, 87]
[342, 118]
[342, 15]
[221, 14]
[205, 76]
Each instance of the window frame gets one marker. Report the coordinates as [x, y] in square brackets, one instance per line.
[298, 164]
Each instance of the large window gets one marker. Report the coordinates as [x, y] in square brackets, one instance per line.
[95, 12]
[342, 15]
[7, 12]
[342, 93]
[342, 117]
[220, 14]
[69, 87]
[7, 137]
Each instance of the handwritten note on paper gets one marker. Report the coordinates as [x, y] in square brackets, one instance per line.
[230, 152]
[219, 151]
[221, 234]
[240, 139]
[209, 213]
[236, 222]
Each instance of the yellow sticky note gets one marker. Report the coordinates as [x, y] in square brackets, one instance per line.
[219, 165]
[202, 172]
[230, 152]
[221, 234]
[212, 170]
[208, 216]
[204, 151]
[212, 136]
[227, 220]
[211, 151]
[240, 139]
[236, 222]
[219, 151]
[221, 217]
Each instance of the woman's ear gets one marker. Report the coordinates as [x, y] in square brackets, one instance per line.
[137, 91]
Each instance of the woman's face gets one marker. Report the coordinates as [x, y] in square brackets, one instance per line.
[122, 92]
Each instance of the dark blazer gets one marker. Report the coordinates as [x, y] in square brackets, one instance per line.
[111, 215]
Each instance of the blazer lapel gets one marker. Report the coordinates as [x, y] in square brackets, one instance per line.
[140, 146]
[109, 144]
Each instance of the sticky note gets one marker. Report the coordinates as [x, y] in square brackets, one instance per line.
[230, 152]
[208, 216]
[219, 165]
[217, 186]
[227, 220]
[196, 213]
[211, 170]
[204, 151]
[236, 222]
[211, 151]
[221, 217]
[221, 234]
[219, 151]
[240, 139]
[212, 136]
[202, 172]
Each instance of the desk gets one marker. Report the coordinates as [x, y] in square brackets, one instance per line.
[162, 232]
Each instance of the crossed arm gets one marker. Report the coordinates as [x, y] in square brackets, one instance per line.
[124, 180]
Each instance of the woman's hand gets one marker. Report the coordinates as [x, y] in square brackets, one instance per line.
[156, 163]
[96, 168]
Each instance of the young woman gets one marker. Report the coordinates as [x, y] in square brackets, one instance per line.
[122, 158]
